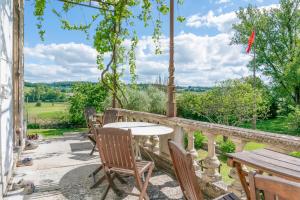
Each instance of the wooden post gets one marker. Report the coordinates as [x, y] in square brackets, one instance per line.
[254, 85]
[171, 107]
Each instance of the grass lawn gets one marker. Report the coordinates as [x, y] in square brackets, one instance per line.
[45, 111]
[279, 124]
[54, 132]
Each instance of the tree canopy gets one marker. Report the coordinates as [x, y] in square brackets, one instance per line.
[229, 103]
[277, 44]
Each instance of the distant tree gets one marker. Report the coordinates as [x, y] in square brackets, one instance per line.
[144, 98]
[157, 100]
[41, 92]
[277, 44]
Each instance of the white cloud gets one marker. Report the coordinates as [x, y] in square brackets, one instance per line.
[60, 62]
[199, 60]
[222, 22]
[223, 1]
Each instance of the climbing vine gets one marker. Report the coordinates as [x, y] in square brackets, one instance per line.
[115, 21]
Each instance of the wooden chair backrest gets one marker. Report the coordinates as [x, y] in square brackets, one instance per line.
[115, 148]
[185, 173]
[110, 116]
[272, 188]
[89, 113]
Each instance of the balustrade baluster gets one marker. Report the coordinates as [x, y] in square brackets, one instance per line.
[191, 149]
[211, 163]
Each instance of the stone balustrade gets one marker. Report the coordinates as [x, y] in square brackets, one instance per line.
[210, 179]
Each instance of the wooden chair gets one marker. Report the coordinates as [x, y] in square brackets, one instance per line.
[185, 173]
[272, 188]
[117, 156]
[89, 113]
[109, 116]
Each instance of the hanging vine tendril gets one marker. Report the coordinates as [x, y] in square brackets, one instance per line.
[115, 23]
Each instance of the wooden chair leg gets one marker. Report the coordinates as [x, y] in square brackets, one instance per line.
[92, 152]
[112, 184]
[98, 182]
[139, 183]
[96, 171]
[145, 185]
[105, 192]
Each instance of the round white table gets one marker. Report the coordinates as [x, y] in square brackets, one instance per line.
[141, 129]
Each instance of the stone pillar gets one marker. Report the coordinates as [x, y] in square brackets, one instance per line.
[211, 162]
[191, 149]
[236, 186]
[177, 136]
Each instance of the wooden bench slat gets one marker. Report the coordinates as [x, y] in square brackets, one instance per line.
[279, 163]
[278, 156]
[252, 160]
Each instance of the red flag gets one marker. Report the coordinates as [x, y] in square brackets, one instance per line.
[250, 41]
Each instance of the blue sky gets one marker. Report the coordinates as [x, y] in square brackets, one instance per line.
[203, 55]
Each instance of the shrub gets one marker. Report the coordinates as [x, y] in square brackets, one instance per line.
[295, 154]
[199, 139]
[229, 103]
[85, 95]
[150, 99]
[157, 100]
[38, 104]
[294, 119]
[227, 147]
[136, 100]
[188, 105]
[33, 126]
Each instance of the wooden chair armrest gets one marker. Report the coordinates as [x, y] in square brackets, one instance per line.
[99, 118]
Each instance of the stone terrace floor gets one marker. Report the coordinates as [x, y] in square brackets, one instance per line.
[60, 171]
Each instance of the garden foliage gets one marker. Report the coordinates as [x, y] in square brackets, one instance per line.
[85, 95]
[229, 103]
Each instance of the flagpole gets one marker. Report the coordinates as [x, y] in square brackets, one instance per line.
[254, 85]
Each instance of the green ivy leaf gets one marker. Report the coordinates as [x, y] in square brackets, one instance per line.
[181, 19]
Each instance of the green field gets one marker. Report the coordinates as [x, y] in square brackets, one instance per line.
[279, 124]
[47, 111]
